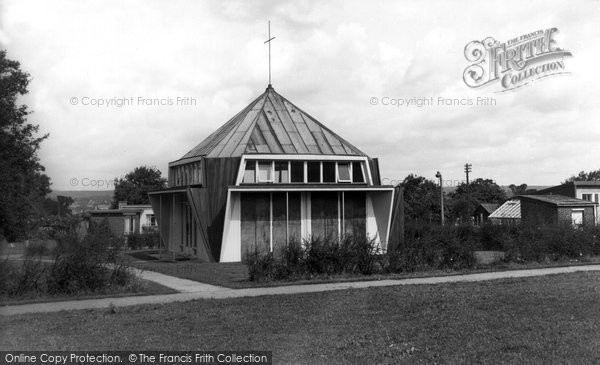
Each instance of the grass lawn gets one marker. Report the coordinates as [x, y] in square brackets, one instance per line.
[231, 275]
[550, 319]
[146, 288]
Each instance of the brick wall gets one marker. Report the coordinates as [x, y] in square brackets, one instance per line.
[564, 215]
[538, 213]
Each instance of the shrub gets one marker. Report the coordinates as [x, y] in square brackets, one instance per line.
[54, 226]
[426, 247]
[553, 243]
[37, 248]
[316, 256]
[18, 278]
[435, 248]
[136, 241]
[86, 265]
[492, 237]
[80, 266]
[261, 266]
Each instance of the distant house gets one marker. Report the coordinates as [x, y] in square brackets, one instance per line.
[585, 190]
[483, 211]
[126, 219]
[556, 209]
[507, 213]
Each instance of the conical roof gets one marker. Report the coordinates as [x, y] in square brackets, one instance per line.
[272, 125]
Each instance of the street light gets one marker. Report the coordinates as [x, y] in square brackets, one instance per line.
[439, 176]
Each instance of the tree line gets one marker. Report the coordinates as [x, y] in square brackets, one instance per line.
[423, 205]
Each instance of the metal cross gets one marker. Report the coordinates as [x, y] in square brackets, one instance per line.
[269, 41]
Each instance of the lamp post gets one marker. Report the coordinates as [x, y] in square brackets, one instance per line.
[439, 176]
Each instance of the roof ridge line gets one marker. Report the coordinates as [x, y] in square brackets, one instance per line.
[282, 125]
[226, 126]
[245, 112]
[356, 149]
[250, 130]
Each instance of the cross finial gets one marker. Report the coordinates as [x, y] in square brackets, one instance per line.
[269, 41]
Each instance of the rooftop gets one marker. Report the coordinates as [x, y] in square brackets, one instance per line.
[511, 209]
[558, 200]
[571, 184]
[489, 207]
[272, 125]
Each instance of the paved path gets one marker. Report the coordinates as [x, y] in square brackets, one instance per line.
[195, 290]
[181, 285]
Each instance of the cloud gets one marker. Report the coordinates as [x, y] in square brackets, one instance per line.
[328, 58]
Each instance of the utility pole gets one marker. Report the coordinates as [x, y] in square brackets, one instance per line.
[467, 170]
[439, 176]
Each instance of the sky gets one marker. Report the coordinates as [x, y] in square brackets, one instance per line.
[344, 62]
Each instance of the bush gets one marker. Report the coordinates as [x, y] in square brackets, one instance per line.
[18, 278]
[553, 243]
[38, 248]
[53, 226]
[426, 247]
[493, 237]
[80, 266]
[316, 256]
[136, 241]
[435, 248]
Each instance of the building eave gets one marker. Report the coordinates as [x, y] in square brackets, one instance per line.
[310, 187]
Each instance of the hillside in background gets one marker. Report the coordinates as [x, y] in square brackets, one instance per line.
[450, 189]
[86, 200]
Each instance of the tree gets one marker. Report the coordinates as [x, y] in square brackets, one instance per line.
[584, 176]
[520, 190]
[422, 198]
[23, 186]
[481, 191]
[134, 187]
[59, 207]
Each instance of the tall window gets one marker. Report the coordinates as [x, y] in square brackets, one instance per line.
[587, 197]
[265, 171]
[150, 220]
[344, 172]
[250, 172]
[357, 172]
[328, 172]
[281, 172]
[313, 170]
[269, 222]
[297, 171]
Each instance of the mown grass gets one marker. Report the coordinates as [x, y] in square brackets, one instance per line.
[145, 287]
[231, 275]
[551, 319]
